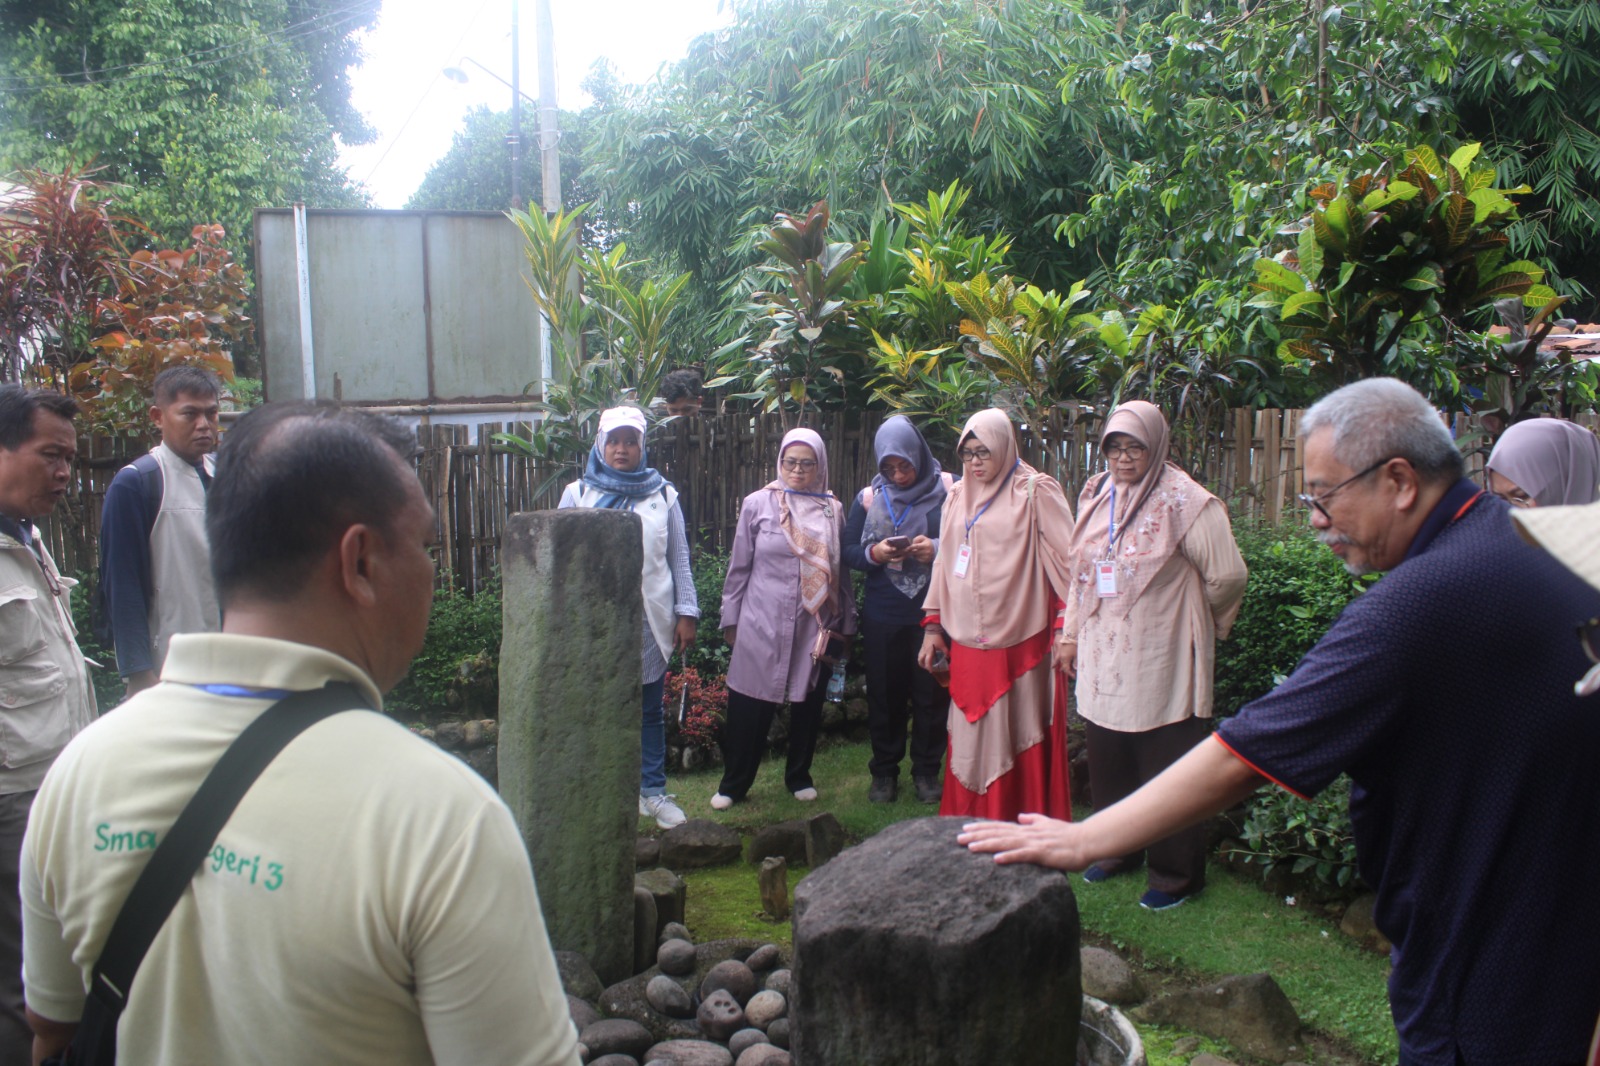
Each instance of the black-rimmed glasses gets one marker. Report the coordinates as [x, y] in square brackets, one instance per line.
[798, 464]
[973, 455]
[1317, 502]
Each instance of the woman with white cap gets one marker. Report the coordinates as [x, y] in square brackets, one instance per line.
[616, 477]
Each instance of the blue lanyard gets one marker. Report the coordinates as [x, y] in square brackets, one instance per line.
[1111, 520]
[974, 519]
[244, 692]
[898, 522]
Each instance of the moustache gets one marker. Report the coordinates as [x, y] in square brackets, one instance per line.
[1328, 540]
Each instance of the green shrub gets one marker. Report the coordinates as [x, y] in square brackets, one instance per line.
[1312, 837]
[458, 667]
[108, 687]
[1297, 588]
[709, 656]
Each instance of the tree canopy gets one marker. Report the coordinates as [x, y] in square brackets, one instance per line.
[201, 111]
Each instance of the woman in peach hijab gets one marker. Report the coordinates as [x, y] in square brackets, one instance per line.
[997, 583]
[1157, 580]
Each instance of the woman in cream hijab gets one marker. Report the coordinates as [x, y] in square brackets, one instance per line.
[1157, 579]
[1004, 542]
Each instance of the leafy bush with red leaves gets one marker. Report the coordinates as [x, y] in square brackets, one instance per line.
[703, 712]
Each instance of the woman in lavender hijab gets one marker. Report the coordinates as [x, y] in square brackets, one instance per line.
[785, 589]
[617, 477]
[1545, 462]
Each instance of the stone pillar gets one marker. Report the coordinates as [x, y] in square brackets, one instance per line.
[911, 949]
[569, 720]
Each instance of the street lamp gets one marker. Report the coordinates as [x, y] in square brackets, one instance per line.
[514, 138]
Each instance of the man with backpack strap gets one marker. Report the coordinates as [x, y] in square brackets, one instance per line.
[369, 901]
[155, 570]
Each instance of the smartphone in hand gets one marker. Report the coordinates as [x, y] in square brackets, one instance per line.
[898, 544]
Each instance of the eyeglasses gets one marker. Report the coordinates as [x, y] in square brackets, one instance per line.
[798, 464]
[1132, 451]
[974, 455]
[1589, 637]
[1318, 501]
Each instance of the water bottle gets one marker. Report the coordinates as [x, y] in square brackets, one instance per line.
[836, 684]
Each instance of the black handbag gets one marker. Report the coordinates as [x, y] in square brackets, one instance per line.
[180, 853]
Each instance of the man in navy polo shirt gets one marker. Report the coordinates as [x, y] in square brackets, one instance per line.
[1445, 692]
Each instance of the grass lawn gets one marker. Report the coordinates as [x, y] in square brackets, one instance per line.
[1233, 927]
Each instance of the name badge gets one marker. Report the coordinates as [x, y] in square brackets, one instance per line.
[1105, 578]
[894, 564]
[963, 559]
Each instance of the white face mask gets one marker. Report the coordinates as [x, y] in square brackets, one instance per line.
[1590, 683]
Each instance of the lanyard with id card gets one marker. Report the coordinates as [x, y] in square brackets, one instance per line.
[1105, 571]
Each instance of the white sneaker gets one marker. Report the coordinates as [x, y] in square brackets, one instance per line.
[666, 813]
[805, 795]
[719, 802]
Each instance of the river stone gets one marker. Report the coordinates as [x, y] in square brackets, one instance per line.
[676, 957]
[746, 1038]
[644, 928]
[779, 981]
[670, 895]
[1249, 1011]
[778, 1032]
[765, 1055]
[765, 1008]
[668, 996]
[1107, 976]
[764, 957]
[786, 840]
[699, 842]
[962, 962]
[691, 1053]
[674, 931]
[719, 1015]
[617, 1036]
[614, 1060]
[577, 976]
[570, 598]
[582, 1012]
[732, 975]
[646, 852]
[824, 839]
[1357, 923]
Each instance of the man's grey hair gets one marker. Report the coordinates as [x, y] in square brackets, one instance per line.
[1384, 418]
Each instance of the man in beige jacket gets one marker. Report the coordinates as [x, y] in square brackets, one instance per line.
[45, 696]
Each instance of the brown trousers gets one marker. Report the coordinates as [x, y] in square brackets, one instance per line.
[1121, 763]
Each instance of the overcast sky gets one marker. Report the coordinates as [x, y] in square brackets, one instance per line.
[416, 110]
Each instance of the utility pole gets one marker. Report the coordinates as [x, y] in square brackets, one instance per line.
[549, 150]
[515, 139]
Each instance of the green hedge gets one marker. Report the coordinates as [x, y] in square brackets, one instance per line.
[1297, 588]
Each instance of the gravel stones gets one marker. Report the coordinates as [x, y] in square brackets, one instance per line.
[690, 1053]
[745, 1038]
[617, 1036]
[676, 957]
[720, 1015]
[668, 997]
[732, 975]
[765, 1008]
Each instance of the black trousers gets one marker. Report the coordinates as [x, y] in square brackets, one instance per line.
[897, 689]
[744, 739]
[1119, 764]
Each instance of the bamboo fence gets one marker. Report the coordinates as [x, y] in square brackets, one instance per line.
[1252, 460]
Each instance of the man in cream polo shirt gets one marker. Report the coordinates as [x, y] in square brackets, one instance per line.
[370, 900]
